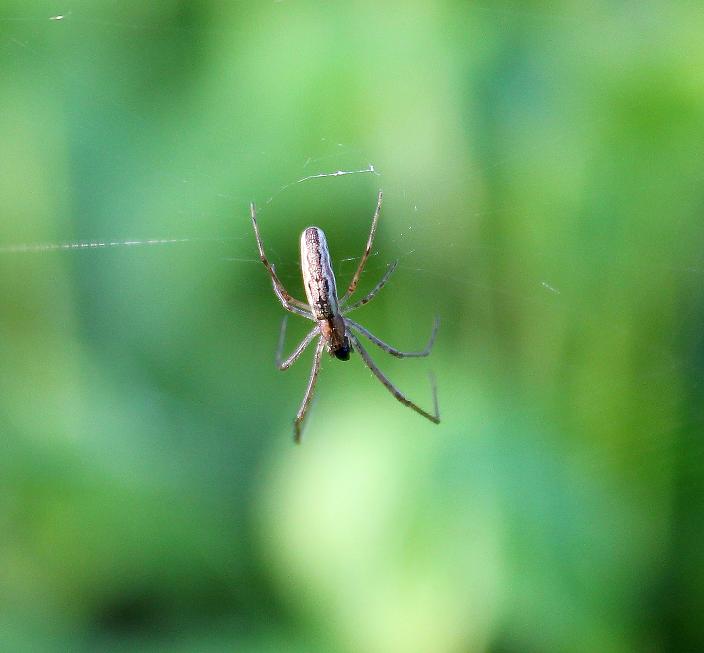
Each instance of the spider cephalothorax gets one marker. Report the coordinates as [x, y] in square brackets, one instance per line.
[333, 328]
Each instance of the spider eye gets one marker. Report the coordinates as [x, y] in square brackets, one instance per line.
[343, 353]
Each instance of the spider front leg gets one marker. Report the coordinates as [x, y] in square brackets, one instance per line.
[287, 301]
[372, 293]
[367, 250]
[392, 350]
[391, 387]
[305, 404]
[284, 365]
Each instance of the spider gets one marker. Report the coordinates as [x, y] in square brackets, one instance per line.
[334, 329]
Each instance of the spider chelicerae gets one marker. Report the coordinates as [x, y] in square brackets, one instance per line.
[333, 328]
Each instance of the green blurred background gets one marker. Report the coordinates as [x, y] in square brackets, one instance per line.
[543, 171]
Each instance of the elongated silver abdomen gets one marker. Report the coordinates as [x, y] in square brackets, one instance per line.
[318, 277]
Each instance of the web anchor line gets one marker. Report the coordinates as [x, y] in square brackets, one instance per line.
[370, 169]
[31, 248]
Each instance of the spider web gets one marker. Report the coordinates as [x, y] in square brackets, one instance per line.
[28, 41]
[149, 289]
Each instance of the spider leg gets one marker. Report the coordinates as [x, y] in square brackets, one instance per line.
[303, 312]
[305, 404]
[284, 365]
[367, 250]
[287, 301]
[392, 350]
[392, 388]
[367, 298]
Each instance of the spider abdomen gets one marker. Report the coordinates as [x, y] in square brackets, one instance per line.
[321, 291]
[318, 277]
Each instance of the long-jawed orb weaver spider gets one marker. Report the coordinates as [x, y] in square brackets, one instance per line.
[334, 329]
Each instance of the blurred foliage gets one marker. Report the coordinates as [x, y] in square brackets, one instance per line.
[542, 168]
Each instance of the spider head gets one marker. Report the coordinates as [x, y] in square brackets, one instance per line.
[333, 331]
[343, 353]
